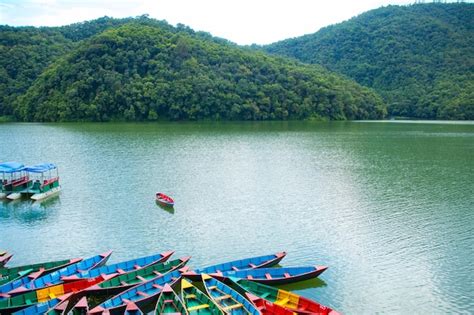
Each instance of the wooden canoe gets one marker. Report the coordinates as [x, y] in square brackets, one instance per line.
[228, 300]
[80, 302]
[12, 304]
[142, 295]
[121, 267]
[240, 264]
[164, 200]
[266, 307]
[26, 284]
[33, 271]
[286, 299]
[274, 276]
[169, 303]
[42, 308]
[125, 281]
[197, 302]
[4, 258]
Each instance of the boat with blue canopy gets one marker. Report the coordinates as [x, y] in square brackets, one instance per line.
[14, 180]
[45, 181]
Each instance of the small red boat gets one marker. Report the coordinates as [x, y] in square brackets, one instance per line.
[164, 200]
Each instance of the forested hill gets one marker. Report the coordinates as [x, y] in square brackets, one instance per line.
[420, 58]
[143, 69]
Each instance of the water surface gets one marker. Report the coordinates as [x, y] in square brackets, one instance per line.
[388, 206]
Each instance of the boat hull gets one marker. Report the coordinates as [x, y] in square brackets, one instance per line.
[49, 193]
[273, 276]
[14, 196]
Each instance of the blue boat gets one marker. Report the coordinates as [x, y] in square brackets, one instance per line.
[240, 264]
[121, 267]
[274, 276]
[145, 294]
[228, 300]
[25, 284]
[42, 308]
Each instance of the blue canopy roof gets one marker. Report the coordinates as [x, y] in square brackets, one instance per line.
[11, 167]
[40, 168]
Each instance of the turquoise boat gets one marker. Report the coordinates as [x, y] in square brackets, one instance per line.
[45, 181]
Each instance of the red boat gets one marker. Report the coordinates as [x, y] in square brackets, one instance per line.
[164, 200]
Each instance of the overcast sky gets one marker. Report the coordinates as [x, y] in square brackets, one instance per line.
[241, 21]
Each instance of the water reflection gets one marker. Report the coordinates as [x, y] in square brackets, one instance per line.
[29, 212]
[166, 208]
[303, 285]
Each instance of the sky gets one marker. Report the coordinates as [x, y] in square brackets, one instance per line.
[241, 21]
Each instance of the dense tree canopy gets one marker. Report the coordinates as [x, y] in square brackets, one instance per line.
[143, 69]
[420, 58]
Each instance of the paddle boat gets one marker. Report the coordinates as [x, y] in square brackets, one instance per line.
[164, 200]
[45, 181]
[14, 179]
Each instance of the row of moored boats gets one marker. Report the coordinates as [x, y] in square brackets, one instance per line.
[37, 182]
[154, 284]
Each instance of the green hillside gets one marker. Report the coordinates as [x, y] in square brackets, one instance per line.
[146, 70]
[419, 58]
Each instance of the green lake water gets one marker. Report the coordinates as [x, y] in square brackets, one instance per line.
[388, 206]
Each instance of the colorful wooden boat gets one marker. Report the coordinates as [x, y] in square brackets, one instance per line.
[229, 301]
[141, 296]
[4, 258]
[121, 267]
[164, 200]
[266, 307]
[13, 180]
[45, 181]
[197, 302]
[169, 303]
[240, 264]
[20, 301]
[125, 281]
[286, 299]
[25, 284]
[42, 308]
[79, 302]
[274, 276]
[33, 270]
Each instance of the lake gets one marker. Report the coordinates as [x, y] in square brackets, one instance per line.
[388, 206]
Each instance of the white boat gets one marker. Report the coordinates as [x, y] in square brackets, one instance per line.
[44, 195]
[14, 196]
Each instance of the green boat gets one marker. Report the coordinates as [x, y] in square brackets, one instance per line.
[82, 302]
[169, 302]
[197, 302]
[45, 181]
[130, 279]
[33, 270]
